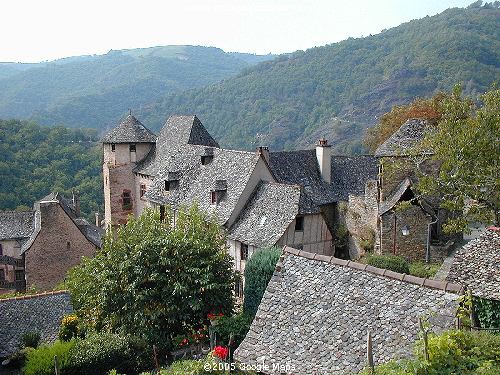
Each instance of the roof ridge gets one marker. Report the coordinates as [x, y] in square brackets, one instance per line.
[31, 296]
[429, 283]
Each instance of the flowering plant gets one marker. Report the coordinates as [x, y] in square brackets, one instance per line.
[214, 316]
[220, 352]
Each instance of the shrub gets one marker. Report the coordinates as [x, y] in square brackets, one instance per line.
[99, 353]
[69, 328]
[41, 361]
[390, 262]
[238, 325]
[30, 340]
[258, 271]
[488, 312]
[421, 269]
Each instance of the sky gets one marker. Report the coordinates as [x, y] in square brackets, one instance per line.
[40, 30]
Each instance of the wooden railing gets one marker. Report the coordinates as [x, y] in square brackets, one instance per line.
[19, 285]
[4, 259]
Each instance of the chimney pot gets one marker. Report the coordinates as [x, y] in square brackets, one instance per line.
[264, 152]
[324, 157]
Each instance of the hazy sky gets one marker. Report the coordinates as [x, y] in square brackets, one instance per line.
[36, 30]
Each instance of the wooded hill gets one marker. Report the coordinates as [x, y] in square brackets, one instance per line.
[340, 89]
[94, 91]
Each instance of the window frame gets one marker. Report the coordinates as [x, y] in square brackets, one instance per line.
[126, 200]
[244, 253]
[132, 147]
[142, 190]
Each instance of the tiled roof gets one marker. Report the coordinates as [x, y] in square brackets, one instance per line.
[177, 135]
[315, 314]
[269, 212]
[16, 224]
[406, 137]
[301, 168]
[130, 130]
[477, 265]
[197, 181]
[349, 174]
[394, 198]
[41, 313]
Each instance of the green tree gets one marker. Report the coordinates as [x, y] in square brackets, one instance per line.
[258, 272]
[156, 280]
[465, 141]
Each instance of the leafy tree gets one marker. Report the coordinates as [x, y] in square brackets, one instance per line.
[156, 280]
[465, 142]
[258, 271]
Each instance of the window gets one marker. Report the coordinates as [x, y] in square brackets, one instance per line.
[68, 245]
[113, 147]
[162, 213]
[131, 148]
[206, 159]
[213, 197]
[244, 251]
[238, 288]
[299, 223]
[19, 275]
[2, 274]
[126, 200]
[143, 190]
[1, 250]
[171, 185]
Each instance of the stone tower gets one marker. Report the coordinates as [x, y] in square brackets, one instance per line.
[123, 147]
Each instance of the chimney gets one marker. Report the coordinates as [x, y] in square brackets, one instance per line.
[76, 202]
[324, 156]
[264, 152]
[97, 223]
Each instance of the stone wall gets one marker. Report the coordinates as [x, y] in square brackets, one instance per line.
[58, 247]
[412, 246]
[39, 313]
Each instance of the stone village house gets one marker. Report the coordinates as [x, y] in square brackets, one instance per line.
[262, 198]
[38, 247]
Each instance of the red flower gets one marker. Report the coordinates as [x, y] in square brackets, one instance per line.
[221, 352]
[213, 316]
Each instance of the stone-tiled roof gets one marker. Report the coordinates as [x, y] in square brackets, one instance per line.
[406, 137]
[39, 313]
[269, 212]
[349, 174]
[16, 224]
[301, 168]
[177, 135]
[197, 181]
[394, 198]
[477, 265]
[130, 130]
[315, 314]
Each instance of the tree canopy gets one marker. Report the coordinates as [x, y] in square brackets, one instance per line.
[156, 280]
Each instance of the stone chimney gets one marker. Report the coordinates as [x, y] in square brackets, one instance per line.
[264, 151]
[76, 202]
[324, 156]
[97, 221]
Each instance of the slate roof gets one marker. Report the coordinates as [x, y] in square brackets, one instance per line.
[41, 313]
[197, 181]
[130, 130]
[477, 265]
[315, 314]
[16, 224]
[91, 232]
[406, 137]
[349, 174]
[394, 198]
[177, 135]
[268, 213]
[301, 168]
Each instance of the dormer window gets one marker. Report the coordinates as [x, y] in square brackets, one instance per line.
[218, 192]
[206, 159]
[171, 185]
[131, 148]
[113, 147]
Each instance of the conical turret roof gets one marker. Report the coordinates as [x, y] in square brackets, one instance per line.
[130, 130]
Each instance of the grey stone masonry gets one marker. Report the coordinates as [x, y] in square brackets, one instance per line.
[41, 313]
[477, 265]
[316, 312]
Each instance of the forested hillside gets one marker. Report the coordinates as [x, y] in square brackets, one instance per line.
[94, 91]
[37, 160]
[340, 89]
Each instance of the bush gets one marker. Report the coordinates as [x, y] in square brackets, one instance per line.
[425, 270]
[41, 361]
[30, 340]
[69, 328]
[258, 271]
[391, 262]
[238, 325]
[99, 353]
[488, 312]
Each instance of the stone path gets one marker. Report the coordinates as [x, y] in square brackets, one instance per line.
[445, 267]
